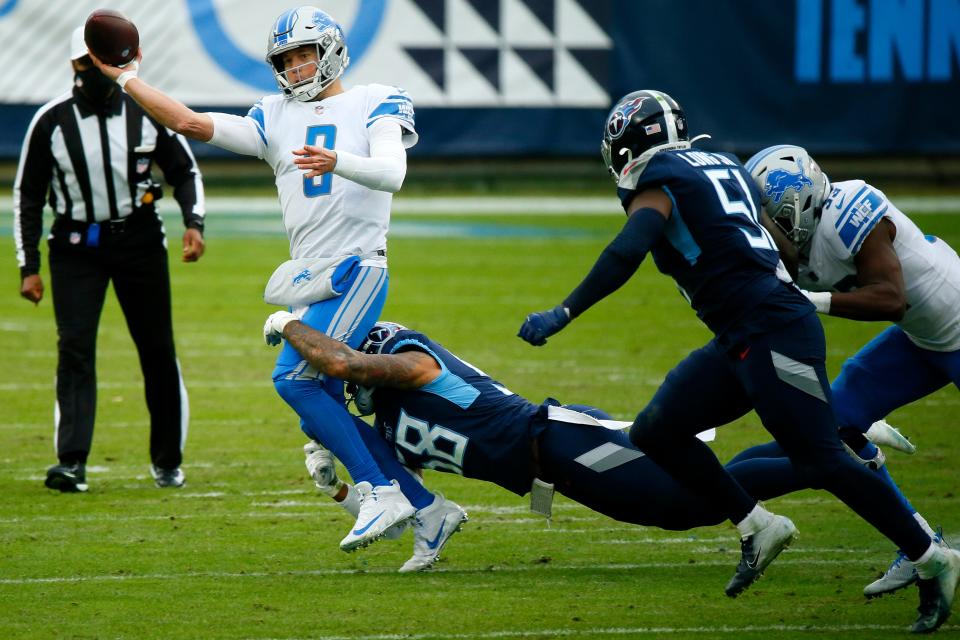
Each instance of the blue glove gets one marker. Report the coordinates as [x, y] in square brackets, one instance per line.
[543, 324]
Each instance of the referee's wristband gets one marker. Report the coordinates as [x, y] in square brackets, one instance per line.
[820, 299]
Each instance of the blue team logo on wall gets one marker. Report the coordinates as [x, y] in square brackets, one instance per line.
[254, 71]
[779, 180]
[617, 123]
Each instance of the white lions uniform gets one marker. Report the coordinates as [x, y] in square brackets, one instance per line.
[931, 268]
[330, 216]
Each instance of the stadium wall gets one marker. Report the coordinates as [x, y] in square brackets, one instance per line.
[536, 77]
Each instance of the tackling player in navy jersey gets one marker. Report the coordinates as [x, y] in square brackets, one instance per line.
[698, 213]
[438, 411]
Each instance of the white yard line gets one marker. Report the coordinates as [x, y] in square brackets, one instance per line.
[537, 205]
[381, 571]
[621, 631]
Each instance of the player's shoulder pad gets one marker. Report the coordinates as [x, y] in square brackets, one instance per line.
[385, 101]
[855, 208]
[257, 113]
[653, 175]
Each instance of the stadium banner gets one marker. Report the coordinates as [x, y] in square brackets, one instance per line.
[536, 77]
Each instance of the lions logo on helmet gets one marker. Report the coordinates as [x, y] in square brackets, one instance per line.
[307, 26]
[792, 189]
[641, 124]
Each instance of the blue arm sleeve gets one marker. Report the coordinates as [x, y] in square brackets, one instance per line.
[618, 261]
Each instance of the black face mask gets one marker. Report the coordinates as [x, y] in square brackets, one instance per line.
[95, 87]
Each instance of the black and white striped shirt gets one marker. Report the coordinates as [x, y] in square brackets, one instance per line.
[95, 165]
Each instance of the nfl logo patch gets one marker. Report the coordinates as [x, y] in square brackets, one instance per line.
[143, 164]
[74, 237]
[318, 110]
[651, 129]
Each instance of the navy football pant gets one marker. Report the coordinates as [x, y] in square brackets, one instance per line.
[603, 470]
[780, 374]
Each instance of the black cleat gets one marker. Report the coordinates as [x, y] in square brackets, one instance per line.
[936, 595]
[758, 551]
[68, 478]
[167, 478]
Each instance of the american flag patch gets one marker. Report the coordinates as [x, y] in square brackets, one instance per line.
[651, 129]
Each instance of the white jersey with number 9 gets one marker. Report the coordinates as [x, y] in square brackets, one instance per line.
[330, 215]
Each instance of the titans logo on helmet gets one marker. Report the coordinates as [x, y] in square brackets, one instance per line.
[779, 180]
[617, 123]
[379, 335]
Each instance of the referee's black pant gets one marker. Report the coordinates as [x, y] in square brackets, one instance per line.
[133, 255]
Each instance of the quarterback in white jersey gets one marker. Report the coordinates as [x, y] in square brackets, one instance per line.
[338, 156]
[857, 256]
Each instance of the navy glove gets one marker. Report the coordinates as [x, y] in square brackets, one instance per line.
[543, 324]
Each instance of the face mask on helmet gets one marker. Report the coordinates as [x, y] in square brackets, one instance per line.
[95, 87]
[641, 124]
[792, 190]
[313, 28]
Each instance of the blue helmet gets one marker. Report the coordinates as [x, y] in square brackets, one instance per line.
[301, 27]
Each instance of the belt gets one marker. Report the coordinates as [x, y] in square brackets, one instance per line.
[117, 226]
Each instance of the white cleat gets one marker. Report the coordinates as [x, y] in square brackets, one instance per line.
[380, 509]
[758, 551]
[882, 434]
[433, 526]
[900, 574]
[322, 467]
[937, 594]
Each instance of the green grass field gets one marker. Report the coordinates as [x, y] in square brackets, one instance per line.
[249, 549]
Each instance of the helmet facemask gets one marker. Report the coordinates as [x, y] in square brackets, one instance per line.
[307, 26]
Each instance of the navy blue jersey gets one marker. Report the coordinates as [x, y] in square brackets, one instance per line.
[463, 421]
[722, 259]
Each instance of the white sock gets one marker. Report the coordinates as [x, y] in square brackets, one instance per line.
[757, 519]
[923, 523]
[931, 563]
[351, 503]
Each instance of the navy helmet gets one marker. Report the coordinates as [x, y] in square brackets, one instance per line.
[639, 125]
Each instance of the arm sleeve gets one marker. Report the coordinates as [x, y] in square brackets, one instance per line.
[386, 167]
[619, 260]
[243, 135]
[181, 172]
[29, 193]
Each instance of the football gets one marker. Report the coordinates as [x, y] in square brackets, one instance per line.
[111, 36]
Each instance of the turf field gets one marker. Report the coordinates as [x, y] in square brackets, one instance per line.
[249, 550]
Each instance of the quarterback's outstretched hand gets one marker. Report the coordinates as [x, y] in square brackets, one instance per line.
[273, 328]
[543, 324]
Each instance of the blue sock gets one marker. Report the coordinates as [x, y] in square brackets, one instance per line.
[416, 493]
[328, 422]
[867, 452]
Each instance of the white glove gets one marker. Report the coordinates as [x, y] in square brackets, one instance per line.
[273, 327]
[130, 72]
[820, 299]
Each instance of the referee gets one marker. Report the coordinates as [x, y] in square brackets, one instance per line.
[89, 154]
